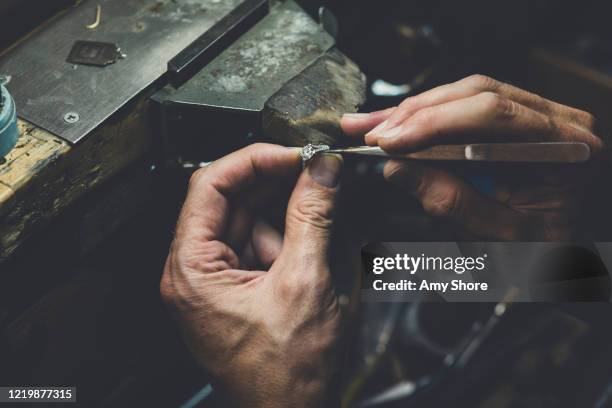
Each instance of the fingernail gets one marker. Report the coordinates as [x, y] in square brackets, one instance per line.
[325, 169]
[378, 129]
[355, 115]
[393, 132]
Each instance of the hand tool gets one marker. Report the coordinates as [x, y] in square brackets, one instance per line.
[534, 152]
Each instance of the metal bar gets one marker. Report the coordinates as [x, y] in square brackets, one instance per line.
[562, 152]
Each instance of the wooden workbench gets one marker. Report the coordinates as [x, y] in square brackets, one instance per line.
[44, 175]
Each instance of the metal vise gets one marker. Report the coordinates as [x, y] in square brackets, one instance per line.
[281, 80]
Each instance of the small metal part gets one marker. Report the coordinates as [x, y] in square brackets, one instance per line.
[96, 22]
[71, 117]
[95, 53]
[309, 151]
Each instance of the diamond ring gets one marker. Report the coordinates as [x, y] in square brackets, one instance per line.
[309, 151]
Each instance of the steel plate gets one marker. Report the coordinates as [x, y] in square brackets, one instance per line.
[150, 32]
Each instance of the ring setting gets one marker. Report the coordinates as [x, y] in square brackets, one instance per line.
[309, 151]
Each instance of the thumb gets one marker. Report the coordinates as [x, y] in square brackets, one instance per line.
[310, 211]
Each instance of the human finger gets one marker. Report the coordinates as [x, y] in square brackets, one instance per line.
[358, 124]
[447, 196]
[486, 117]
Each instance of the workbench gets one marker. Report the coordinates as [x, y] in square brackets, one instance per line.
[44, 175]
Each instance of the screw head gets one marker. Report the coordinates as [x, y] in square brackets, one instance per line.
[71, 117]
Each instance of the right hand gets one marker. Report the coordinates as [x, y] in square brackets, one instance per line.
[529, 203]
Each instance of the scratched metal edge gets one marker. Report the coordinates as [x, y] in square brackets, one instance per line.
[21, 86]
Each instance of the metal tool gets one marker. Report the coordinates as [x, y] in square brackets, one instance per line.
[553, 152]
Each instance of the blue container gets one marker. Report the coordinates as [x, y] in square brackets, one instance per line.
[8, 123]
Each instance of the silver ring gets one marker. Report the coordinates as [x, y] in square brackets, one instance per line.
[309, 151]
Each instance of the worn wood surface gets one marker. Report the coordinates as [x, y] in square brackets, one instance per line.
[44, 175]
[309, 107]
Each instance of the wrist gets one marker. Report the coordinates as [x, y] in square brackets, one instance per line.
[275, 390]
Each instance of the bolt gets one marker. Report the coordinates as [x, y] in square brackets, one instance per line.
[71, 117]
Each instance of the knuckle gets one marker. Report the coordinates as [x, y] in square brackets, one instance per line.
[406, 103]
[197, 177]
[444, 203]
[424, 117]
[481, 82]
[553, 125]
[587, 120]
[211, 256]
[546, 106]
[496, 105]
[314, 210]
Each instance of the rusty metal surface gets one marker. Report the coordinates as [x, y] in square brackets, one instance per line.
[256, 66]
[150, 32]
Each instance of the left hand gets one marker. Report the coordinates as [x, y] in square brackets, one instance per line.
[258, 309]
[527, 205]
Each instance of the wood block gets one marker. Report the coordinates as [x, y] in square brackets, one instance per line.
[309, 107]
[45, 175]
